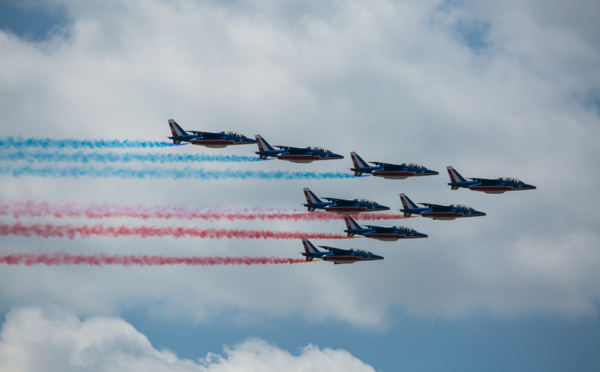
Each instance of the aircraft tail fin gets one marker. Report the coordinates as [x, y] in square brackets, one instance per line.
[309, 249]
[455, 177]
[358, 163]
[351, 225]
[176, 130]
[311, 198]
[263, 145]
[407, 204]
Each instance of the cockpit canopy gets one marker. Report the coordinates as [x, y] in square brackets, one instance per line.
[360, 251]
[319, 149]
[234, 134]
[367, 201]
[514, 180]
[413, 165]
[462, 207]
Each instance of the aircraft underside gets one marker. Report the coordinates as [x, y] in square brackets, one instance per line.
[300, 158]
[391, 177]
[491, 189]
[385, 237]
[399, 175]
[394, 175]
[212, 144]
[443, 216]
[345, 211]
[342, 260]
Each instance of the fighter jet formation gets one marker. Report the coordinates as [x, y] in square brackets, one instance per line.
[347, 207]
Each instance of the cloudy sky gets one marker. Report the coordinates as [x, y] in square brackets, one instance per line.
[501, 89]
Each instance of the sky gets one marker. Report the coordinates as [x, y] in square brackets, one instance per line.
[507, 89]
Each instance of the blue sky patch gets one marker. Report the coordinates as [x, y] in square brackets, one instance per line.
[476, 343]
[474, 34]
[593, 101]
[31, 22]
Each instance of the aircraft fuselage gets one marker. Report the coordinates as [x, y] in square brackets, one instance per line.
[217, 143]
[450, 215]
[401, 175]
[392, 236]
[349, 259]
[353, 209]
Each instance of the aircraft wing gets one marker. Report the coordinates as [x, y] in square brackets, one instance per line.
[341, 201]
[487, 181]
[389, 166]
[294, 150]
[209, 135]
[438, 207]
[335, 251]
[382, 228]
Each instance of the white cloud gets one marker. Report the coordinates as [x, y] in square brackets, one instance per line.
[51, 339]
[257, 355]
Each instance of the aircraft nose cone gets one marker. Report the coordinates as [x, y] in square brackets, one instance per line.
[420, 235]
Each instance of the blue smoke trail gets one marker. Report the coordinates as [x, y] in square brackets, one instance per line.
[175, 174]
[112, 157]
[48, 143]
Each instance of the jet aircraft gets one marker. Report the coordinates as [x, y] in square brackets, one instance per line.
[437, 212]
[293, 154]
[489, 186]
[387, 170]
[208, 139]
[391, 233]
[337, 255]
[341, 206]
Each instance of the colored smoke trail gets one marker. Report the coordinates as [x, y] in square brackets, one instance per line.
[48, 143]
[174, 174]
[59, 258]
[83, 231]
[92, 211]
[117, 157]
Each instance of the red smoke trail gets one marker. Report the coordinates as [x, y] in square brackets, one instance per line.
[70, 231]
[31, 209]
[59, 258]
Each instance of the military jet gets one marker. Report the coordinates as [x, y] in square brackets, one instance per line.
[337, 255]
[391, 233]
[489, 186]
[387, 170]
[341, 206]
[208, 139]
[293, 154]
[437, 212]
